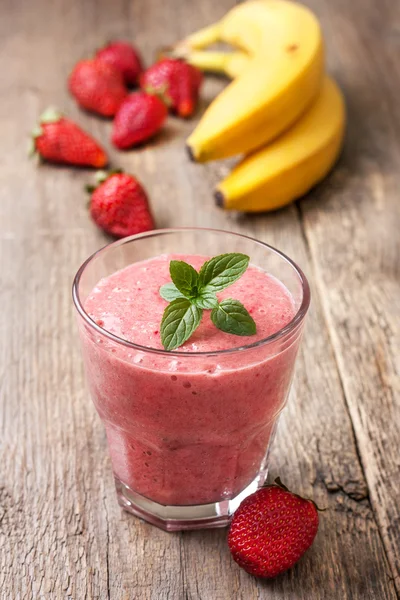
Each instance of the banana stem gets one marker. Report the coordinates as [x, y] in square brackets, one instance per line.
[204, 37]
[200, 39]
[228, 63]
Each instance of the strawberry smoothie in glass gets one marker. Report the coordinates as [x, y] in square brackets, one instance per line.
[188, 430]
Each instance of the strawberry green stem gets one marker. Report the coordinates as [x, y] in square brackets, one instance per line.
[50, 115]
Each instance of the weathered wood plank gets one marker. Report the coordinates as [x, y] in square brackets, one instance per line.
[352, 227]
[62, 533]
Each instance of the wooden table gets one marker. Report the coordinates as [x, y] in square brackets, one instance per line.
[62, 532]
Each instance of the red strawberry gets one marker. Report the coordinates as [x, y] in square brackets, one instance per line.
[97, 86]
[177, 80]
[125, 58]
[271, 530]
[59, 140]
[119, 205]
[140, 117]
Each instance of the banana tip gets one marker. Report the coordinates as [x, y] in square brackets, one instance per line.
[190, 153]
[219, 198]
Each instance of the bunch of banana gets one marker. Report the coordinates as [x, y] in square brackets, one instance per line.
[280, 109]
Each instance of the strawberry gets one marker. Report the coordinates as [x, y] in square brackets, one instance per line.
[140, 117]
[177, 80]
[59, 140]
[124, 57]
[119, 205]
[97, 86]
[271, 530]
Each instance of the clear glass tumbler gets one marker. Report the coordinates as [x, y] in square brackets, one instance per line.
[188, 433]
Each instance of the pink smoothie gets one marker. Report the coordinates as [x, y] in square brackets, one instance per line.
[187, 429]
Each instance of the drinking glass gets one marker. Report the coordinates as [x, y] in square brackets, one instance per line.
[188, 432]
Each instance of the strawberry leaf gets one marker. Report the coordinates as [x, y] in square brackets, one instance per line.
[50, 115]
[31, 150]
[101, 176]
[37, 131]
[160, 91]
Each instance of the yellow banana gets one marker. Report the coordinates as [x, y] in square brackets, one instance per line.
[292, 164]
[283, 75]
[230, 64]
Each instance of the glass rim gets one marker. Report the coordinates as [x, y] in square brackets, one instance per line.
[281, 333]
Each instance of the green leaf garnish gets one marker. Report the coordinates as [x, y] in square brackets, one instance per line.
[170, 292]
[223, 270]
[180, 319]
[185, 277]
[206, 300]
[191, 292]
[232, 317]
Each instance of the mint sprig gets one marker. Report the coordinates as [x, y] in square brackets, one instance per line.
[191, 292]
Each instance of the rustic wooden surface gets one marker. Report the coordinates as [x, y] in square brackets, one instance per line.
[62, 534]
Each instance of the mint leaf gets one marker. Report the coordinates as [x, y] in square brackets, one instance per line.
[191, 292]
[180, 319]
[170, 292]
[221, 271]
[206, 300]
[232, 317]
[185, 277]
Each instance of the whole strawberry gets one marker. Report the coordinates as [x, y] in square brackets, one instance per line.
[97, 86]
[125, 58]
[176, 80]
[119, 205]
[59, 140]
[140, 117]
[271, 530]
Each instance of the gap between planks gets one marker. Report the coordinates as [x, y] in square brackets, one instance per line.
[326, 316]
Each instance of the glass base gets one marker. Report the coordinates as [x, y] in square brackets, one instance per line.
[178, 518]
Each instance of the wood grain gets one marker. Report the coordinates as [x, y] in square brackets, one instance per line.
[62, 534]
[354, 242]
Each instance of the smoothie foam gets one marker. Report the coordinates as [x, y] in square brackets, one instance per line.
[189, 429]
